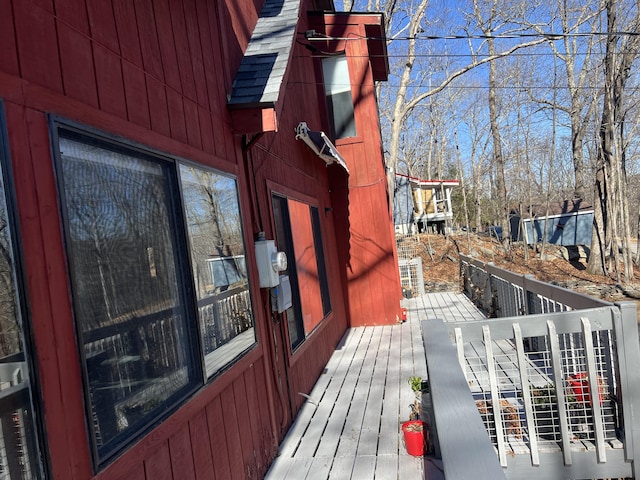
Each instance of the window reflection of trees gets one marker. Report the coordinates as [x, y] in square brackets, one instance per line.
[10, 333]
[19, 447]
[213, 219]
[126, 261]
[219, 265]
[123, 253]
[117, 211]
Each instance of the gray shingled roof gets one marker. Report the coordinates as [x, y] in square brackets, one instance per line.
[262, 69]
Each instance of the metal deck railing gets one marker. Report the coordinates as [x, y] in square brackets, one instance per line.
[18, 452]
[556, 391]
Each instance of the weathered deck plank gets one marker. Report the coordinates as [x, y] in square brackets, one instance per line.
[325, 390]
[334, 428]
[350, 425]
[388, 443]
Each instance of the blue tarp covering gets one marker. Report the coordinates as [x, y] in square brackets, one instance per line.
[567, 230]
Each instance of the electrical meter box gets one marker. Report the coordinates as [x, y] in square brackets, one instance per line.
[270, 263]
[281, 298]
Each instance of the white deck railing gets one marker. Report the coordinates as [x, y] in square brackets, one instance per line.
[543, 372]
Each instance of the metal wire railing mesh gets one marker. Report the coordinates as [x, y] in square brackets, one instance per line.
[408, 246]
[409, 276]
[18, 456]
[561, 406]
[553, 373]
[410, 265]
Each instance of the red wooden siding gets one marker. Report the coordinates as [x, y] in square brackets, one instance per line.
[8, 53]
[37, 45]
[182, 459]
[109, 81]
[201, 446]
[158, 72]
[103, 25]
[78, 67]
[372, 275]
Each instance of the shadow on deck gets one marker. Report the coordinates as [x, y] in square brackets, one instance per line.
[350, 425]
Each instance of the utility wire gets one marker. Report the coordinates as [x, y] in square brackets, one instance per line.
[506, 36]
[474, 87]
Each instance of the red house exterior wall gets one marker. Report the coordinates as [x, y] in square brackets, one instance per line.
[371, 272]
[158, 73]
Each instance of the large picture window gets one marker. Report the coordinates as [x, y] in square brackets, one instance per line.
[219, 265]
[128, 287]
[19, 449]
[153, 247]
[298, 234]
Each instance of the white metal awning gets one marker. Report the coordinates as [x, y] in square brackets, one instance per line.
[321, 145]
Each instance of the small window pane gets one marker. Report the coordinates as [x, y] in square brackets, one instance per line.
[219, 265]
[322, 267]
[19, 453]
[285, 243]
[337, 86]
[128, 303]
[336, 75]
[306, 264]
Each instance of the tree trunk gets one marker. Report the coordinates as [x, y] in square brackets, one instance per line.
[400, 110]
[611, 172]
[597, 264]
[498, 159]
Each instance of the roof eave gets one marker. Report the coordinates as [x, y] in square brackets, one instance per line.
[255, 118]
[373, 23]
[255, 103]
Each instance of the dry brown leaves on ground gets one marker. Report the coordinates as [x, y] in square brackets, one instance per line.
[440, 260]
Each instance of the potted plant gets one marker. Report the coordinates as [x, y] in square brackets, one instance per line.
[414, 437]
[416, 406]
[415, 431]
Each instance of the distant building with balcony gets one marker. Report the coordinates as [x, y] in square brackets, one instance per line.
[422, 205]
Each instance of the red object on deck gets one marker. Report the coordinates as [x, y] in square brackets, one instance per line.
[414, 435]
[580, 386]
[404, 314]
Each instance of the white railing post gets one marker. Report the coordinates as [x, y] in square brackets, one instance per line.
[594, 389]
[556, 363]
[495, 396]
[626, 331]
[526, 395]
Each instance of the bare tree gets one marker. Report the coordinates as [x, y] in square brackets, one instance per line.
[489, 27]
[408, 95]
[576, 53]
[611, 223]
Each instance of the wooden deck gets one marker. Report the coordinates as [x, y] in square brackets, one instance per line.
[350, 425]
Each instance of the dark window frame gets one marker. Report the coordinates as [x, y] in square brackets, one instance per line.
[193, 350]
[288, 247]
[38, 446]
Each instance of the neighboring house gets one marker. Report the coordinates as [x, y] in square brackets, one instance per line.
[422, 204]
[568, 223]
[155, 156]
